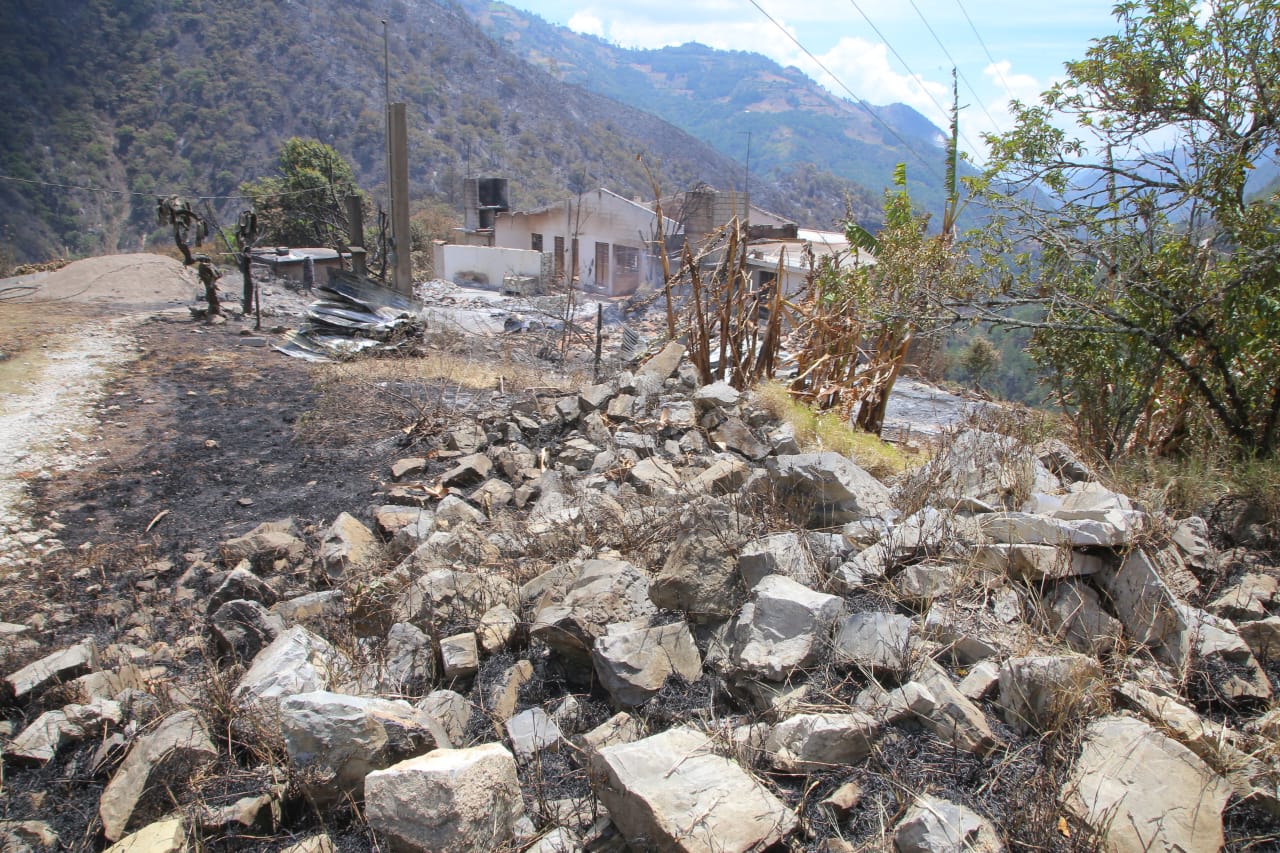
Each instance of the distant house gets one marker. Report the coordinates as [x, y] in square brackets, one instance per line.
[598, 239]
[789, 257]
[776, 246]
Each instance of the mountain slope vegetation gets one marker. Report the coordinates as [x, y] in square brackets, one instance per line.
[722, 96]
[111, 103]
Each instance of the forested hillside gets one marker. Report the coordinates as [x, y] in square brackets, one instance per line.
[139, 98]
[722, 96]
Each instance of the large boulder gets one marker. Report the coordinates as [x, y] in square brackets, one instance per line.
[447, 801]
[335, 740]
[298, 661]
[935, 825]
[831, 488]
[1144, 792]
[347, 546]
[700, 575]
[1042, 693]
[782, 628]
[634, 659]
[172, 751]
[604, 592]
[672, 792]
[814, 742]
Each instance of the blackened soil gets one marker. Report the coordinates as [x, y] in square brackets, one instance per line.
[204, 438]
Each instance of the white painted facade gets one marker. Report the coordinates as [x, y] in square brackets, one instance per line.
[483, 265]
[763, 257]
[615, 240]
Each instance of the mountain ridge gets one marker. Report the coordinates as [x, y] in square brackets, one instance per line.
[112, 104]
[720, 96]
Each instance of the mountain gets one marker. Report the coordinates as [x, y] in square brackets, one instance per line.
[722, 96]
[111, 103]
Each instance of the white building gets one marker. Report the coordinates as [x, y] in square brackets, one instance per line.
[598, 239]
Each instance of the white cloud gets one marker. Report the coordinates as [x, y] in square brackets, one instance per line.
[586, 23]
[864, 67]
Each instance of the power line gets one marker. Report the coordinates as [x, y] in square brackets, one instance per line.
[859, 101]
[999, 71]
[106, 191]
[955, 65]
[917, 77]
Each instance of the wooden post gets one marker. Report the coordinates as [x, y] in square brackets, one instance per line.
[402, 270]
[599, 335]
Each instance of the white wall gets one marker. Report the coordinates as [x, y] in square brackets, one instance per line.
[603, 218]
[484, 265]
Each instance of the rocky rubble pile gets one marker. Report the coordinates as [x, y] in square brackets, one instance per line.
[639, 617]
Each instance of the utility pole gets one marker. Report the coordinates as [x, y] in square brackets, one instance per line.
[397, 178]
[402, 266]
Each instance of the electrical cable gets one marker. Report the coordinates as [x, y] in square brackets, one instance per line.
[955, 65]
[859, 101]
[919, 80]
[196, 198]
[999, 71]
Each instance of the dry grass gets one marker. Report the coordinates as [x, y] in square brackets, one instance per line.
[827, 431]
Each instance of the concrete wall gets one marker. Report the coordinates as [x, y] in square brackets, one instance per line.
[484, 265]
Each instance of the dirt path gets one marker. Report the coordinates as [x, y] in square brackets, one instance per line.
[63, 335]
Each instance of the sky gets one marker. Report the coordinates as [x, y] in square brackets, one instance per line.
[1002, 49]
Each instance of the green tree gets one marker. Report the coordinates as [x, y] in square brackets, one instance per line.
[1161, 281]
[891, 302]
[980, 359]
[305, 203]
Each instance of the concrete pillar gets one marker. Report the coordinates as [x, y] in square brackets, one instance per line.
[355, 220]
[402, 268]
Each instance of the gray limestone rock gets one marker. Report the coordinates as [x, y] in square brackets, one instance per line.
[447, 801]
[777, 554]
[700, 575]
[935, 825]
[346, 546]
[240, 583]
[297, 661]
[244, 628]
[1043, 693]
[1110, 790]
[875, 642]
[813, 742]
[955, 719]
[605, 591]
[175, 748]
[832, 487]
[782, 628]
[672, 792]
[63, 665]
[532, 732]
[335, 740]
[262, 546]
[634, 659]
[410, 660]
